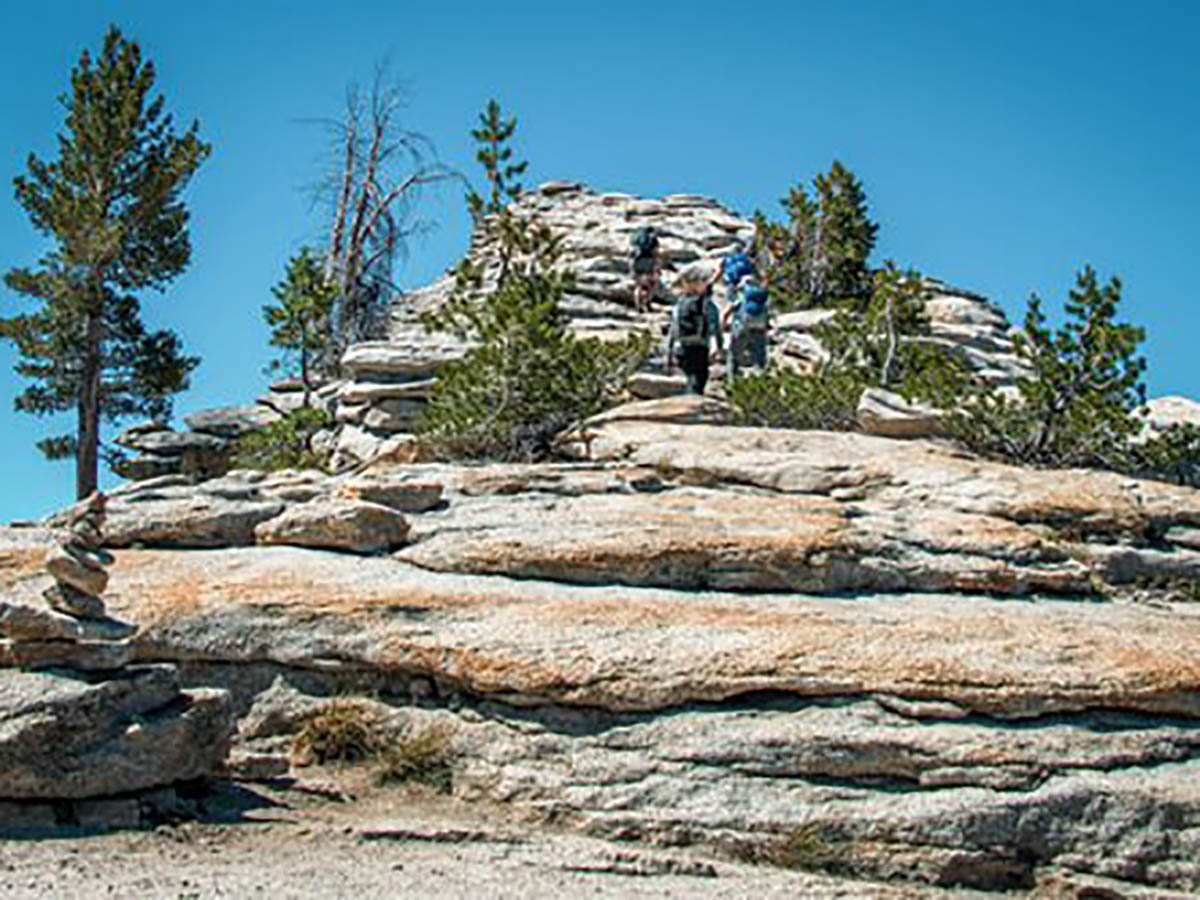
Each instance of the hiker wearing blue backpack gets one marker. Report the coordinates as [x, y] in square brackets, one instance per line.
[695, 320]
[748, 319]
[735, 268]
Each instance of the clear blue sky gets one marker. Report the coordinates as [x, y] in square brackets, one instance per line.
[1002, 145]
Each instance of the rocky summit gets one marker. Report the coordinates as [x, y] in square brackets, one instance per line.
[870, 656]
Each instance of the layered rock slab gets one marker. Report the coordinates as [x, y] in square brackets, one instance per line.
[627, 648]
[64, 735]
[777, 510]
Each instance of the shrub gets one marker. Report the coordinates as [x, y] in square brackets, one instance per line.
[529, 377]
[420, 754]
[286, 443]
[874, 343]
[348, 730]
[342, 730]
[1173, 455]
[1076, 407]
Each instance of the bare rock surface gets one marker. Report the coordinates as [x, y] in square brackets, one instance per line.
[880, 658]
[353, 525]
[231, 421]
[68, 736]
[196, 519]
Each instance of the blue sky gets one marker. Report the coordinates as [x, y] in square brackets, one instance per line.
[1002, 145]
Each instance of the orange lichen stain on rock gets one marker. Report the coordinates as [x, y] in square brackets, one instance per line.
[651, 614]
[484, 670]
[19, 564]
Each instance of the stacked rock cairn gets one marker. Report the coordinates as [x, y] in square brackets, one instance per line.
[77, 564]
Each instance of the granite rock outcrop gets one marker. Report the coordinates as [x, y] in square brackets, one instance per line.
[866, 655]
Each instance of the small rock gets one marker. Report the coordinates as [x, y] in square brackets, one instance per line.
[86, 656]
[336, 525]
[77, 572]
[890, 415]
[402, 496]
[29, 623]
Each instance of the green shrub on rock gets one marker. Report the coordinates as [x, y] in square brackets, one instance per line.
[877, 342]
[286, 443]
[1076, 407]
[528, 377]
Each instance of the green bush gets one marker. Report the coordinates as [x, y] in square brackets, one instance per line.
[1076, 406]
[873, 343]
[1173, 455]
[528, 378]
[284, 444]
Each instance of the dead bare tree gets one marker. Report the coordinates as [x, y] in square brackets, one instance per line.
[378, 169]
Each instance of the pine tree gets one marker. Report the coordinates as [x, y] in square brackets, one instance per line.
[844, 238]
[528, 377]
[300, 320]
[493, 134]
[1076, 408]
[111, 205]
[819, 257]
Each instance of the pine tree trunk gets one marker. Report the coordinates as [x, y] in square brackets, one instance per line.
[87, 451]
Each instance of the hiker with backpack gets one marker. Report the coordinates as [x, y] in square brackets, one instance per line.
[735, 268]
[643, 262]
[695, 320]
[748, 320]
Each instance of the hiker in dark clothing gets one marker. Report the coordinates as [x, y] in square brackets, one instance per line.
[695, 321]
[643, 262]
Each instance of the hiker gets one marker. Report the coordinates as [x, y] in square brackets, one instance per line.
[748, 320]
[643, 261]
[735, 268]
[695, 321]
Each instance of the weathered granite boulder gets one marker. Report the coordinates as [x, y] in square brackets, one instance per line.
[31, 623]
[416, 359]
[67, 736]
[194, 520]
[336, 524]
[890, 415]
[231, 421]
[881, 657]
[401, 495]
[173, 443]
[652, 385]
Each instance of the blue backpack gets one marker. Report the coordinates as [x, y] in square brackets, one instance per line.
[735, 267]
[754, 307]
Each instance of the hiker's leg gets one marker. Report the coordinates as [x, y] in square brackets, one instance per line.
[701, 369]
[733, 359]
[690, 361]
[758, 350]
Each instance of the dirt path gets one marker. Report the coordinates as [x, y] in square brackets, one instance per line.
[393, 842]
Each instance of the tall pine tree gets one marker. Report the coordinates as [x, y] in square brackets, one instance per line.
[844, 238]
[111, 206]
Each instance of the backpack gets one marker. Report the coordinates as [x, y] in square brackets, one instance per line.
[693, 321]
[645, 245]
[735, 267]
[754, 307]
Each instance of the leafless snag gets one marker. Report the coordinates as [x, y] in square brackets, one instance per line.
[378, 171]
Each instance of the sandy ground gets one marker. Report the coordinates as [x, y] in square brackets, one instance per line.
[387, 842]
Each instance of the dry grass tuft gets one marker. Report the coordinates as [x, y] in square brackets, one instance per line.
[348, 730]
